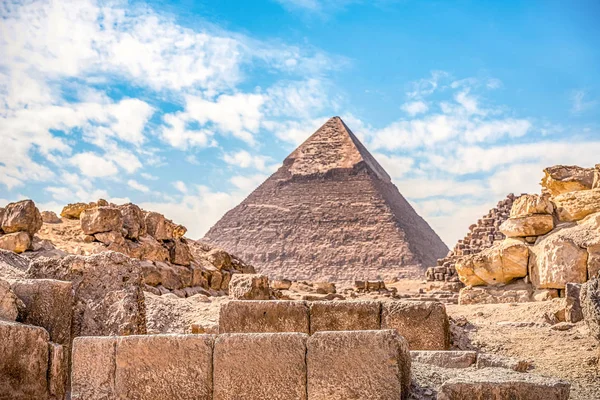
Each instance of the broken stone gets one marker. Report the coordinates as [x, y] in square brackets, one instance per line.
[498, 383]
[544, 294]
[24, 361]
[17, 242]
[424, 324]
[445, 359]
[249, 287]
[344, 315]
[101, 219]
[531, 204]
[590, 306]
[575, 206]
[283, 284]
[566, 178]
[339, 364]
[264, 316]
[219, 258]
[50, 217]
[148, 248]
[260, 366]
[486, 360]
[532, 225]
[179, 252]
[593, 264]
[109, 238]
[74, 210]
[573, 311]
[556, 260]
[161, 228]
[151, 367]
[58, 370]
[9, 302]
[515, 292]
[22, 216]
[133, 221]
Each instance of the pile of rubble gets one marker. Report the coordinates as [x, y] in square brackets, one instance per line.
[481, 236]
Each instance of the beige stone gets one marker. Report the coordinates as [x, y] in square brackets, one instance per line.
[324, 287]
[529, 204]
[590, 306]
[263, 316]
[544, 294]
[531, 225]
[344, 315]
[556, 260]
[565, 178]
[497, 265]
[573, 312]
[164, 367]
[109, 297]
[101, 219]
[341, 363]
[249, 287]
[260, 366]
[486, 360]
[445, 359]
[12, 265]
[179, 252]
[593, 263]
[22, 216]
[133, 221]
[499, 383]
[93, 368]
[58, 370]
[109, 238]
[424, 324]
[148, 248]
[596, 183]
[9, 302]
[282, 284]
[23, 361]
[514, 292]
[219, 258]
[74, 210]
[50, 217]
[574, 206]
[17, 242]
[161, 228]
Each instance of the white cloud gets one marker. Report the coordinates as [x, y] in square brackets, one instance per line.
[138, 186]
[426, 86]
[580, 103]
[244, 159]
[181, 186]
[177, 135]
[415, 107]
[396, 166]
[148, 176]
[92, 165]
[247, 183]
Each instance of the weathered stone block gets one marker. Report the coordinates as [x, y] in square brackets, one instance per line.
[341, 363]
[21, 216]
[344, 316]
[249, 287]
[424, 324]
[574, 206]
[17, 242]
[498, 383]
[590, 305]
[93, 368]
[164, 367]
[23, 361]
[556, 260]
[445, 359]
[573, 312]
[58, 370]
[531, 204]
[567, 178]
[531, 225]
[488, 360]
[101, 219]
[9, 302]
[260, 366]
[242, 316]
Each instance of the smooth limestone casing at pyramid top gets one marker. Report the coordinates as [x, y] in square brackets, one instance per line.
[331, 212]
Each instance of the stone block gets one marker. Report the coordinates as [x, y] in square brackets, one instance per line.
[58, 370]
[573, 312]
[17, 242]
[164, 367]
[249, 287]
[498, 383]
[556, 260]
[9, 302]
[445, 359]
[244, 316]
[487, 360]
[358, 365]
[23, 361]
[93, 368]
[260, 366]
[531, 225]
[574, 206]
[424, 324]
[344, 316]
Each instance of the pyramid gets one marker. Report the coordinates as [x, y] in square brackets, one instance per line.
[329, 213]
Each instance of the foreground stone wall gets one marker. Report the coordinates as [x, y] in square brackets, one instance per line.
[424, 324]
[277, 366]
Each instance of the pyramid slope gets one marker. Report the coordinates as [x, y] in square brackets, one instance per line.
[329, 213]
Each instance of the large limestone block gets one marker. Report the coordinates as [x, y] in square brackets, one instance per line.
[58, 370]
[359, 365]
[161, 228]
[17, 242]
[556, 260]
[244, 316]
[593, 263]
[93, 368]
[22, 216]
[101, 219]
[23, 361]
[164, 367]
[133, 221]
[424, 324]
[109, 297]
[574, 206]
[9, 302]
[531, 225]
[260, 366]
[445, 359]
[499, 383]
[529, 204]
[49, 304]
[590, 306]
[249, 287]
[344, 315]
[565, 178]
[497, 265]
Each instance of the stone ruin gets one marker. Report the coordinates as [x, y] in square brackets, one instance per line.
[481, 236]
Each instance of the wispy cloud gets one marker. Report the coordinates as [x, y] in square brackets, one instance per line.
[581, 102]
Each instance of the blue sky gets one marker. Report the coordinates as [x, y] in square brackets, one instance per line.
[186, 106]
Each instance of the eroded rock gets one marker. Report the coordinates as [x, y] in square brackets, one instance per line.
[264, 316]
[50, 217]
[344, 315]
[133, 221]
[531, 225]
[9, 302]
[249, 287]
[574, 206]
[567, 178]
[556, 260]
[528, 204]
[590, 306]
[101, 219]
[22, 216]
[17, 242]
[161, 228]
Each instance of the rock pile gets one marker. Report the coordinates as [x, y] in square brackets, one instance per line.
[481, 236]
[551, 240]
[18, 223]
